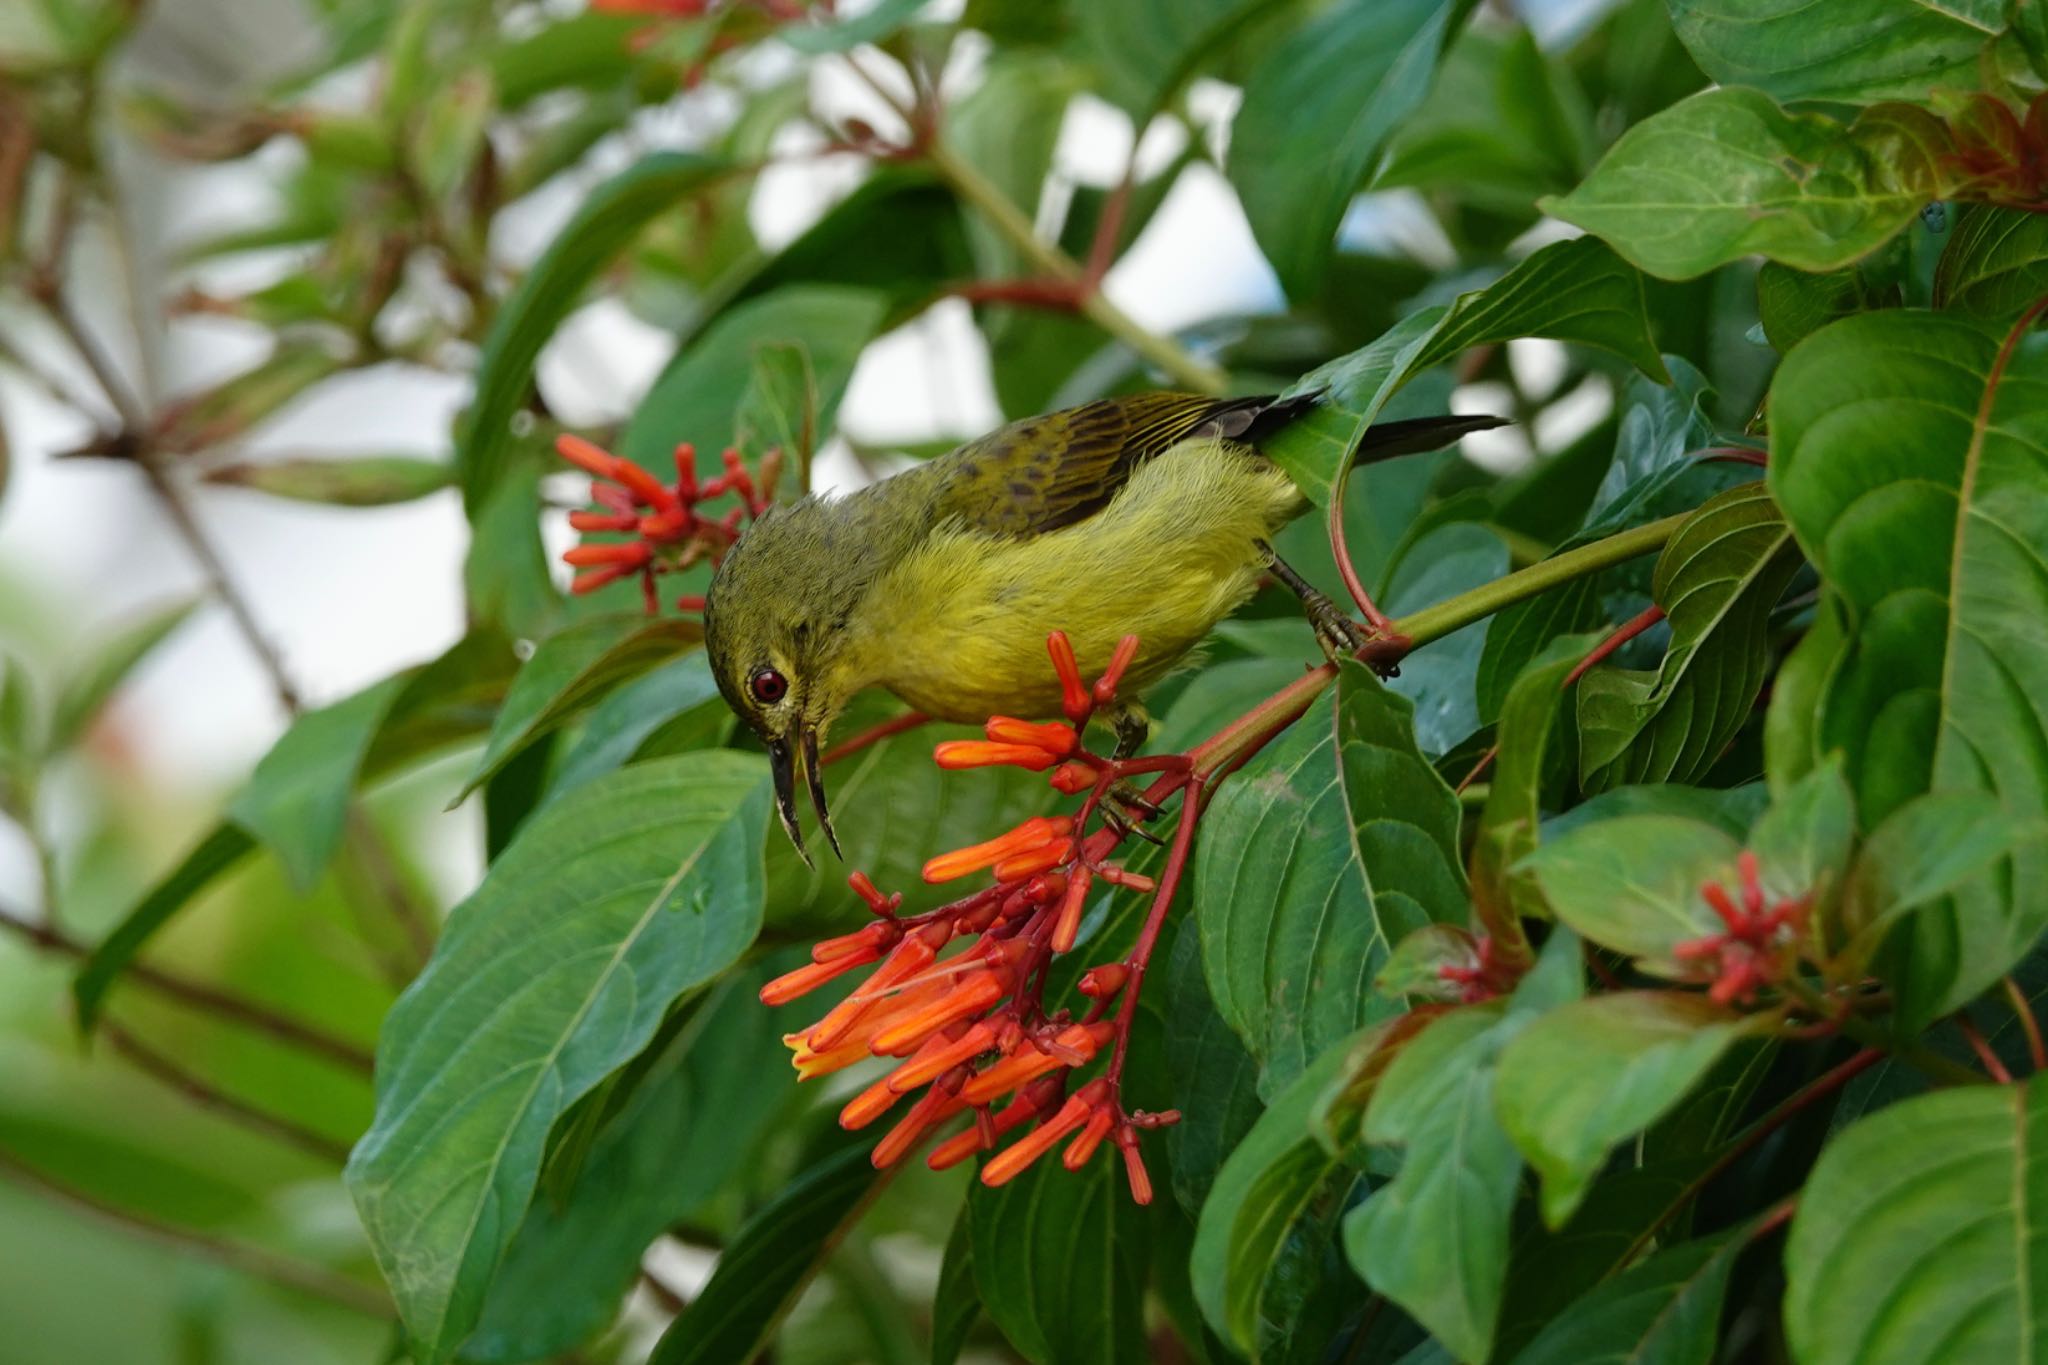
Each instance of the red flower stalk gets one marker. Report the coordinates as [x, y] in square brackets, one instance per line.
[971, 1030]
[1761, 943]
[669, 533]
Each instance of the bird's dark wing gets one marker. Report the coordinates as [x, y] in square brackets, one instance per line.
[1046, 472]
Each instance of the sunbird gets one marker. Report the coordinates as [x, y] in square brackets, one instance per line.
[1148, 515]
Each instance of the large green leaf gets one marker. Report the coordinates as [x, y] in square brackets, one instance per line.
[1718, 579]
[607, 219]
[297, 799]
[1587, 1076]
[1930, 1218]
[1060, 1262]
[1214, 1080]
[1915, 488]
[776, 1254]
[555, 972]
[672, 708]
[570, 670]
[1873, 50]
[697, 1114]
[1632, 882]
[1577, 291]
[956, 1305]
[1727, 173]
[1145, 49]
[1328, 848]
[1995, 263]
[1316, 113]
[1666, 1311]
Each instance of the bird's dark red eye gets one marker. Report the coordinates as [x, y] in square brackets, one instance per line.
[768, 686]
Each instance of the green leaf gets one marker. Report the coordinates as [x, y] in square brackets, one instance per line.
[1213, 1081]
[447, 139]
[674, 699]
[569, 671]
[1434, 1239]
[1932, 1215]
[1007, 128]
[1927, 849]
[237, 404]
[505, 575]
[1509, 824]
[1916, 493]
[554, 973]
[1443, 562]
[778, 410]
[1665, 1311]
[1632, 882]
[694, 1123]
[1792, 304]
[356, 481]
[1880, 49]
[1060, 1262]
[872, 25]
[1803, 839]
[1995, 263]
[1720, 575]
[1727, 173]
[1335, 842]
[1589, 1075]
[1146, 49]
[107, 667]
[956, 1304]
[1577, 291]
[1317, 110]
[608, 218]
[297, 800]
[762, 1273]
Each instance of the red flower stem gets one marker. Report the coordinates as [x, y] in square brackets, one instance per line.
[875, 734]
[1780, 1214]
[1622, 634]
[2024, 1012]
[1818, 1088]
[1993, 1067]
[1374, 617]
[1485, 762]
[1734, 455]
[1155, 919]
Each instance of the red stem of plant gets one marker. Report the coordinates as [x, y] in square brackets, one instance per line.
[2024, 1012]
[1485, 762]
[1734, 455]
[874, 734]
[1623, 633]
[1374, 617]
[1993, 1067]
[1155, 919]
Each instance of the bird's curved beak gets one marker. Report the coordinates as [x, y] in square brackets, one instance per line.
[782, 764]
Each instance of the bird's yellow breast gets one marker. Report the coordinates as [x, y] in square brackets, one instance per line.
[957, 628]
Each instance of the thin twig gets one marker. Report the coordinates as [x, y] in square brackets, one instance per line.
[154, 1064]
[1993, 1067]
[208, 998]
[265, 1265]
[1622, 634]
[383, 871]
[2024, 1012]
[874, 734]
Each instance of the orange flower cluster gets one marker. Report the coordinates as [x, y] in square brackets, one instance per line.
[668, 533]
[970, 1030]
[1760, 945]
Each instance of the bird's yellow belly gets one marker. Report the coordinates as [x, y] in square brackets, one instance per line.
[962, 621]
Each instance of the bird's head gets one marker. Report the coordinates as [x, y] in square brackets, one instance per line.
[775, 630]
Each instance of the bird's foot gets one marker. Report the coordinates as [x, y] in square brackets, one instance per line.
[1343, 638]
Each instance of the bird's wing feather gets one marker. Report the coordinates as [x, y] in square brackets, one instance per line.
[1046, 472]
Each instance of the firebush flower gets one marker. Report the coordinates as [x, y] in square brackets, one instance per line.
[955, 997]
[1760, 944]
[667, 531]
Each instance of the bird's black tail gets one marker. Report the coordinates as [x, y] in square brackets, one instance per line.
[1262, 417]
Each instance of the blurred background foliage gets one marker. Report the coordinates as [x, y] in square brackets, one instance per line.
[251, 256]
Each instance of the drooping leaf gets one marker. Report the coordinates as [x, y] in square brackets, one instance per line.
[1666, 1311]
[1632, 882]
[1914, 489]
[1880, 49]
[356, 481]
[554, 973]
[1995, 263]
[1576, 291]
[607, 219]
[1720, 575]
[1317, 111]
[1933, 1215]
[296, 801]
[1060, 1262]
[1727, 173]
[1598, 1071]
[776, 1254]
[1332, 844]
[106, 668]
[572, 669]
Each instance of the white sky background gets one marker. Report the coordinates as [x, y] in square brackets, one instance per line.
[349, 595]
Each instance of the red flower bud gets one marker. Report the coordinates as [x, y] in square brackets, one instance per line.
[1105, 686]
[1074, 697]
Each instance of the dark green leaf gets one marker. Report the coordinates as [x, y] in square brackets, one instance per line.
[956, 1306]
[297, 800]
[1880, 49]
[1728, 173]
[1793, 304]
[1146, 49]
[778, 410]
[1632, 882]
[505, 576]
[1439, 679]
[1995, 263]
[1316, 113]
[1589, 1075]
[607, 219]
[1214, 1080]
[1916, 494]
[572, 669]
[1328, 847]
[1931, 1215]
[1060, 1261]
[356, 481]
[617, 727]
[1502, 890]
[555, 972]
[1720, 575]
[760, 1276]
[1666, 1311]
[106, 668]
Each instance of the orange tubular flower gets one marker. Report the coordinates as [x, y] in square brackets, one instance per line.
[955, 754]
[1078, 1110]
[1029, 837]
